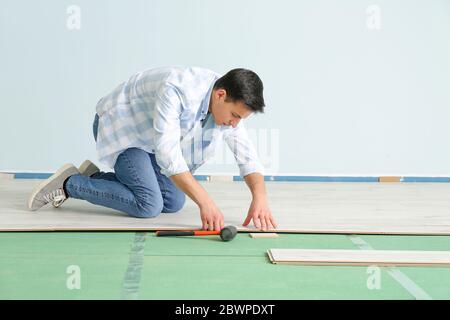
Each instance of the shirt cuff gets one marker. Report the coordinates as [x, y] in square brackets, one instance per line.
[173, 170]
[251, 167]
[171, 165]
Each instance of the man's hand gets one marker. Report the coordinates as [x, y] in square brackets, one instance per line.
[260, 213]
[212, 218]
[259, 209]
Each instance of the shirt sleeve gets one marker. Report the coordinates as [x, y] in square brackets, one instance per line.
[166, 123]
[244, 152]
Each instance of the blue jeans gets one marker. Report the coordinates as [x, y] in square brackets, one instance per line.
[136, 187]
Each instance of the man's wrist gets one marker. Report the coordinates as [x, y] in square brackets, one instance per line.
[259, 196]
[205, 202]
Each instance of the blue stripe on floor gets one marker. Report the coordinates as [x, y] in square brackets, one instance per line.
[315, 179]
[201, 177]
[425, 179]
[33, 175]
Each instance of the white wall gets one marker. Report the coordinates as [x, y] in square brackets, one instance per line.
[343, 99]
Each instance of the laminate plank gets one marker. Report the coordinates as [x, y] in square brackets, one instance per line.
[359, 257]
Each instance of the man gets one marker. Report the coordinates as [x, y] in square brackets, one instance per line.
[155, 130]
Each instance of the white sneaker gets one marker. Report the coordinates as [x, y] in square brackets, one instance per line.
[51, 190]
[87, 168]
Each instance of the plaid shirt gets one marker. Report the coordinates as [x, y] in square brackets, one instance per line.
[164, 111]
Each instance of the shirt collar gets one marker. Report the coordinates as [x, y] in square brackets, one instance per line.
[205, 103]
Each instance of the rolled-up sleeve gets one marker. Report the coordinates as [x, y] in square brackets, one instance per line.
[244, 152]
[166, 123]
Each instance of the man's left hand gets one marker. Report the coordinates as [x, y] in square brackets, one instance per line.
[262, 216]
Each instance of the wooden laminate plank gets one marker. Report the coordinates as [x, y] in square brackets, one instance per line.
[359, 257]
[258, 235]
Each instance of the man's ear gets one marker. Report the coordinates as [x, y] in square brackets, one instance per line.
[222, 93]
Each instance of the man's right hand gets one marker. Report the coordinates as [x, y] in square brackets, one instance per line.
[212, 218]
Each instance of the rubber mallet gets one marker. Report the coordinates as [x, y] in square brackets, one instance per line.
[226, 234]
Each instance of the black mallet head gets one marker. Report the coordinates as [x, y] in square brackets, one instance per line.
[228, 233]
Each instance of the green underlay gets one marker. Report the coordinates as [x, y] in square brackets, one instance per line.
[435, 281]
[34, 266]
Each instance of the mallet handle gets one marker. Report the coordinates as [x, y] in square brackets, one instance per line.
[186, 233]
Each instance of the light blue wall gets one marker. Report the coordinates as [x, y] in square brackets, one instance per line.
[343, 99]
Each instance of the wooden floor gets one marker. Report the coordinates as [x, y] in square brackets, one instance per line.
[300, 207]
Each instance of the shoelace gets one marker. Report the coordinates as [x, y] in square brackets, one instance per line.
[56, 196]
[58, 201]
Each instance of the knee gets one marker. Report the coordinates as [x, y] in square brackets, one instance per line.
[149, 209]
[174, 203]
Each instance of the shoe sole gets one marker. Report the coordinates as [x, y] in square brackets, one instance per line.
[44, 183]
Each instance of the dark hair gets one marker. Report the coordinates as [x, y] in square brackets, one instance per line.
[243, 85]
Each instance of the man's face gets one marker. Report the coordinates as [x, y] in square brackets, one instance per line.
[227, 113]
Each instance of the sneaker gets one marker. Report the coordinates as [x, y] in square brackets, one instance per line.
[51, 190]
[87, 168]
